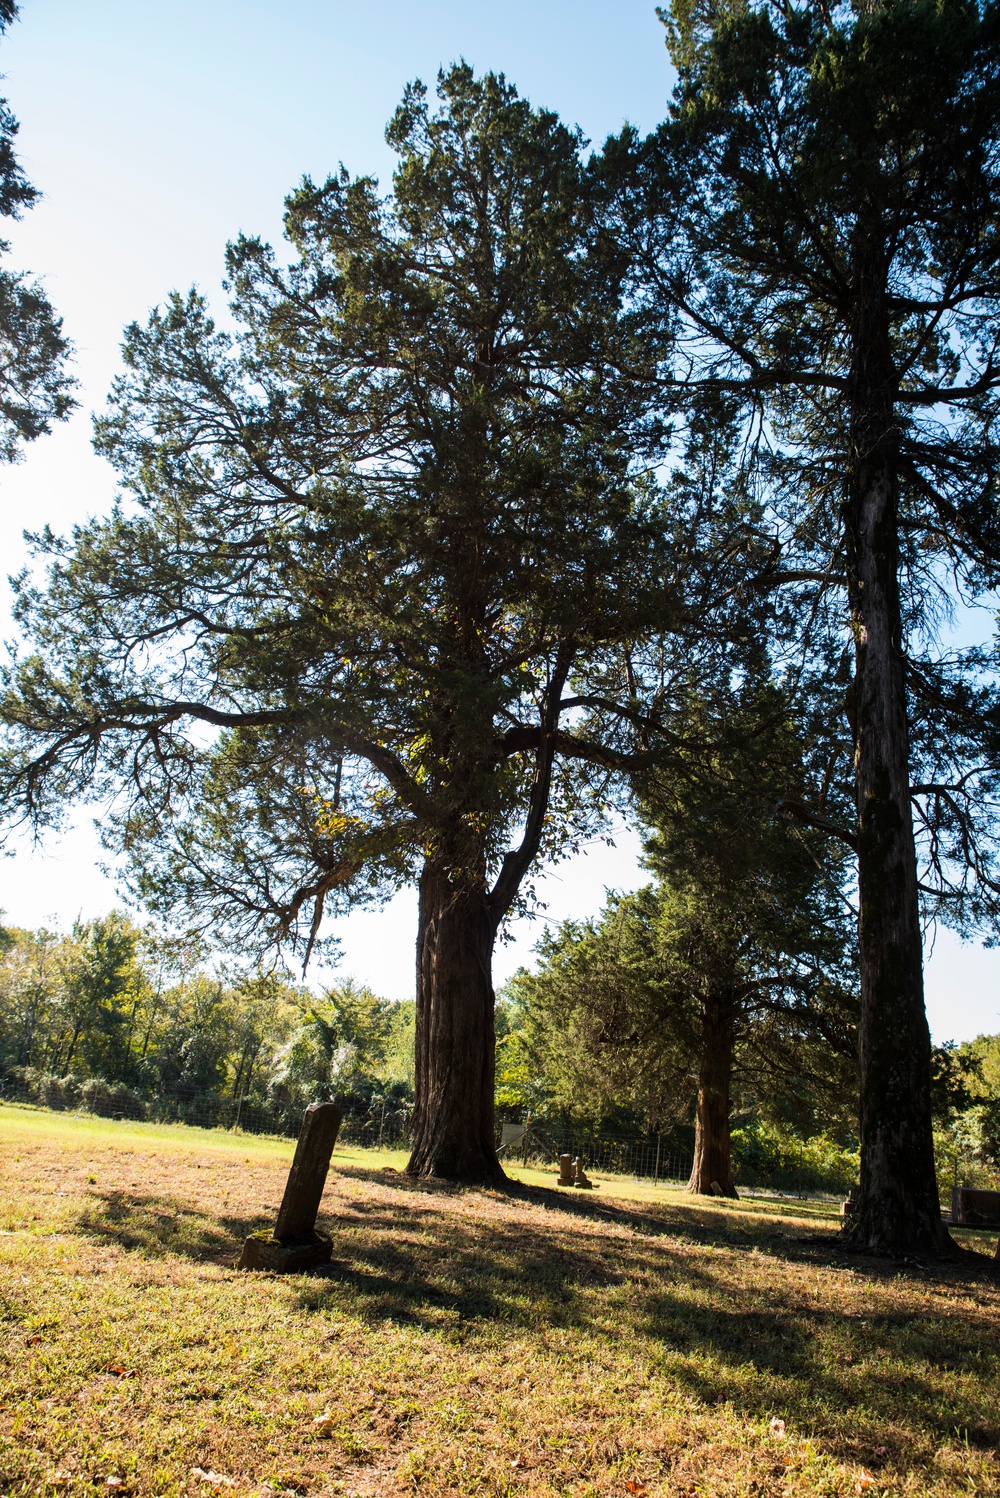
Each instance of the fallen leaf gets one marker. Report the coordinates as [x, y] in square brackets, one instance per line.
[323, 1424]
[216, 1478]
[32, 1340]
[516, 1462]
[777, 1426]
[635, 1487]
[865, 1481]
[114, 1482]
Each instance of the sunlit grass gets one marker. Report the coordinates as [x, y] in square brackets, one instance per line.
[626, 1340]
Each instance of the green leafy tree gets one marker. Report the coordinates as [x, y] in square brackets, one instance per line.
[817, 224]
[520, 1084]
[740, 958]
[35, 389]
[195, 1039]
[29, 995]
[967, 1100]
[101, 984]
[399, 1067]
[754, 920]
[266, 1014]
[374, 539]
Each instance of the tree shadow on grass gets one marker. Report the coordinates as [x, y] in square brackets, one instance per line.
[724, 1327]
[859, 1384]
[160, 1225]
[777, 1226]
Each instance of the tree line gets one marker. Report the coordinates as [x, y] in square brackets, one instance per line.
[551, 481]
[603, 1040]
[116, 1018]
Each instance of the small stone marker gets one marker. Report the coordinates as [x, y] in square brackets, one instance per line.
[295, 1243]
[580, 1179]
[848, 1209]
[566, 1176]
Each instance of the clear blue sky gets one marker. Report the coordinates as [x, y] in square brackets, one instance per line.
[157, 130]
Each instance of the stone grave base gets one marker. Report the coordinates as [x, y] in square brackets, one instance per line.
[262, 1251]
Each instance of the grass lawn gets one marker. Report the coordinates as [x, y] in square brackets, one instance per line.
[628, 1341]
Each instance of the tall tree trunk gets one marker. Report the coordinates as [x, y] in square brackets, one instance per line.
[453, 1135]
[72, 1046]
[28, 1030]
[898, 1210]
[712, 1157]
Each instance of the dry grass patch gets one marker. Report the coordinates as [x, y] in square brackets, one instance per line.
[462, 1342]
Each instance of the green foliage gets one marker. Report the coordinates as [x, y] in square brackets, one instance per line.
[29, 976]
[818, 228]
[35, 389]
[373, 531]
[984, 1055]
[764, 1154]
[112, 1017]
[399, 1066]
[968, 1114]
[104, 986]
[601, 1024]
[520, 1087]
[614, 1015]
[747, 934]
[341, 1049]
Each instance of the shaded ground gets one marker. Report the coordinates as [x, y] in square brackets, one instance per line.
[462, 1342]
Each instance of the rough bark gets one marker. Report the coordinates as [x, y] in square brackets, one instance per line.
[898, 1210]
[712, 1157]
[453, 1132]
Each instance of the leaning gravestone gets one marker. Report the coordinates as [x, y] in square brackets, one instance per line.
[295, 1243]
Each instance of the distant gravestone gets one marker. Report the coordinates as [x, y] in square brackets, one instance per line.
[295, 1243]
[974, 1208]
[849, 1208]
[580, 1179]
[566, 1176]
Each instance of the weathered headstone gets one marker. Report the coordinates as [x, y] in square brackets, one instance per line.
[566, 1176]
[848, 1208]
[580, 1179]
[295, 1243]
[973, 1208]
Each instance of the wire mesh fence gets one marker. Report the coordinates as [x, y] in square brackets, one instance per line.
[658, 1159]
[382, 1126]
[647, 1158]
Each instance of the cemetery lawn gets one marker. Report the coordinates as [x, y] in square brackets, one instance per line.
[627, 1341]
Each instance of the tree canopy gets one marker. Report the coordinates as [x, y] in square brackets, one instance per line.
[337, 632]
[35, 389]
[817, 224]
[739, 958]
